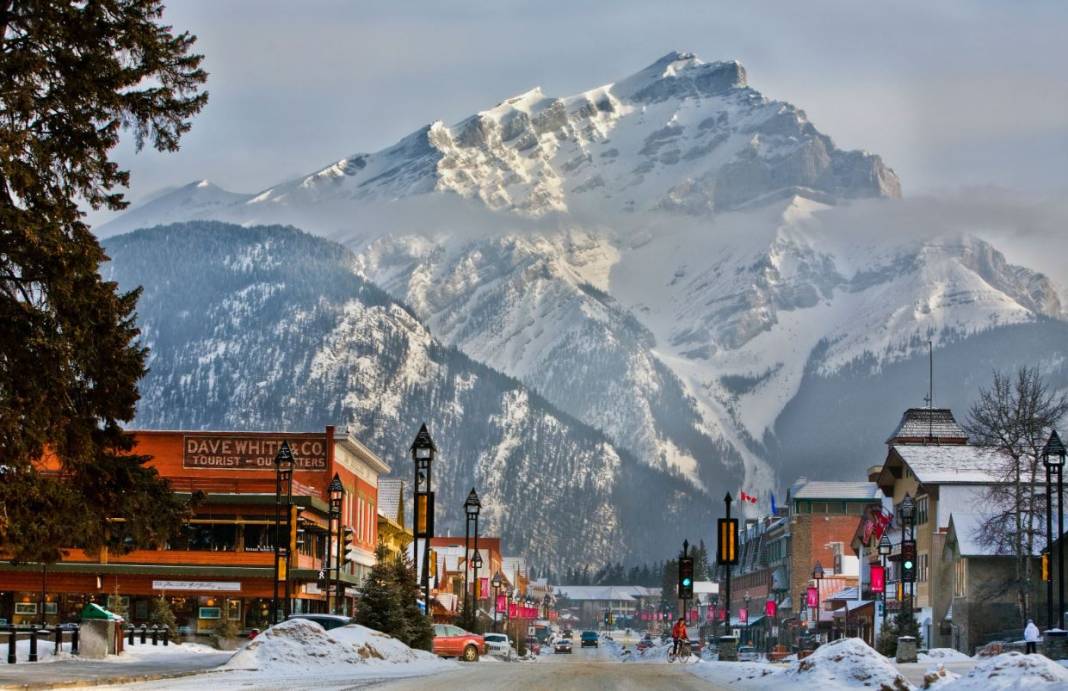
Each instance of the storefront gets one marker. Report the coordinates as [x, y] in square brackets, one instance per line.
[221, 565]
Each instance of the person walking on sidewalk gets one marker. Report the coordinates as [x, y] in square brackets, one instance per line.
[1031, 637]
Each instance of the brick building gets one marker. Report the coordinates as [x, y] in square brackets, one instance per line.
[221, 564]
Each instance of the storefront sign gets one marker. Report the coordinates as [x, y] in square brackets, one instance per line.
[217, 586]
[250, 452]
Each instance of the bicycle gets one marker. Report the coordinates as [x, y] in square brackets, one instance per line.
[683, 654]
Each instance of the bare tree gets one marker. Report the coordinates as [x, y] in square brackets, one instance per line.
[1013, 418]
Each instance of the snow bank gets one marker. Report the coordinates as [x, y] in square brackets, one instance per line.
[1011, 671]
[131, 653]
[849, 662]
[299, 644]
[942, 655]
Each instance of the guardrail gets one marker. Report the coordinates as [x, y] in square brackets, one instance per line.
[56, 635]
[158, 633]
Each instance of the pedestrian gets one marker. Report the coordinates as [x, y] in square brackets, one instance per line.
[1031, 636]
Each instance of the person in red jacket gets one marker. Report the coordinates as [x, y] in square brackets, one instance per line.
[678, 634]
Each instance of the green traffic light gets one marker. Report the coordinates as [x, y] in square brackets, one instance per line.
[686, 581]
[908, 565]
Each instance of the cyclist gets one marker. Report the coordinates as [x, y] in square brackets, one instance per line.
[678, 635]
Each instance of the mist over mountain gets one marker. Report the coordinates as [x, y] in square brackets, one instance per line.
[677, 261]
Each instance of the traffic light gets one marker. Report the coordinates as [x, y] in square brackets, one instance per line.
[347, 544]
[1045, 567]
[908, 561]
[727, 552]
[686, 578]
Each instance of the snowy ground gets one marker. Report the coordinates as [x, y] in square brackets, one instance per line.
[132, 653]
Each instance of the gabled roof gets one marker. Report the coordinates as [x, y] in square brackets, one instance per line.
[818, 489]
[389, 499]
[928, 425]
[963, 464]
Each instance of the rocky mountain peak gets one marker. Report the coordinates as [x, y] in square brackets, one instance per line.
[681, 75]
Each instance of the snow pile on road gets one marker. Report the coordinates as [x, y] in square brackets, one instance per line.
[939, 677]
[1011, 671]
[942, 655]
[849, 662]
[374, 645]
[294, 643]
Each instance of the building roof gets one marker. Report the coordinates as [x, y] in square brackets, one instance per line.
[820, 489]
[622, 593]
[962, 464]
[925, 425]
[965, 527]
[390, 491]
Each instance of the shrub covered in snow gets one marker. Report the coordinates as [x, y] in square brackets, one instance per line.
[1011, 671]
[848, 662]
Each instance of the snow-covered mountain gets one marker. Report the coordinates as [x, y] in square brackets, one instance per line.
[672, 258]
[270, 328]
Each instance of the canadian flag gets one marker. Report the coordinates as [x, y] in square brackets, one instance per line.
[744, 496]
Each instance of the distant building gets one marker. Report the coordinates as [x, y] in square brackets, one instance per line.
[590, 602]
[392, 532]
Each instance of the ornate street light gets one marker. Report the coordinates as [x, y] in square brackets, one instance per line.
[472, 507]
[423, 451]
[907, 510]
[546, 601]
[496, 583]
[337, 494]
[283, 480]
[885, 548]
[1053, 456]
[817, 575]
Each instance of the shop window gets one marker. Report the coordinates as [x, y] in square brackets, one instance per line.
[25, 608]
[206, 537]
[233, 610]
[258, 538]
[921, 510]
[209, 613]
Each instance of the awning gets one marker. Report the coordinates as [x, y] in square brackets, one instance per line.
[786, 603]
[752, 620]
[851, 606]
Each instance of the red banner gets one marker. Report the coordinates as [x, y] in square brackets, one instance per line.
[484, 587]
[710, 615]
[743, 615]
[770, 608]
[693, 616]
[812, 597]
[513, 611]
[502, 604]
[878, 579]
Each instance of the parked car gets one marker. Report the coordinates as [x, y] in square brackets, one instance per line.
[645, 643]
[562, 645]
[589, 639]
[747, 653]
[327, 621]
[497, 644]
[452, 641]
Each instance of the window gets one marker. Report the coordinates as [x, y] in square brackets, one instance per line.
[959, 578]
[921, 571]
[836, 550]
[921, 510]
[206, 537]
[259, 538]
[820, 507]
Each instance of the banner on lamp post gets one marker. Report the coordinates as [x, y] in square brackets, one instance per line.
[812, 597]
[878, 579]
[743, 615]
[502, 604]
[770, 608]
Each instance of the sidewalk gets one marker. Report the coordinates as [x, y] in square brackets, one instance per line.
[68, 673]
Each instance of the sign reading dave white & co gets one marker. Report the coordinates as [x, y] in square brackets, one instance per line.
[222, 451]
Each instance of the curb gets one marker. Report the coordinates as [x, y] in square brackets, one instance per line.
[108, 681]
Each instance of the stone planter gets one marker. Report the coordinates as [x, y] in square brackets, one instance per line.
[906, 649]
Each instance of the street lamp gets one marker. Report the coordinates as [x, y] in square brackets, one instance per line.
[337, 494]
[817, 575]
[748, 640]
[1053, 456]
[472, 507]
[884, 551]
[907, 510]
[496, 582]
[283, 479]
[423, 451]
[546, 601]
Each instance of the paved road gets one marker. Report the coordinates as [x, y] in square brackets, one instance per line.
[586, 670]
[67, 672]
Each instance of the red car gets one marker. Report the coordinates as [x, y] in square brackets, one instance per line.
[452, 641]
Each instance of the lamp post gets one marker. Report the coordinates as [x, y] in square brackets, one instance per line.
[337, 493]
[715, 615]
[546, 601]
[884, 551]
[283, 479]
[496, 583]
[476, 564]
[423, 452]
[817, 575]
[745, 598]
[1053, 455]
[472, 507]
[907, 510]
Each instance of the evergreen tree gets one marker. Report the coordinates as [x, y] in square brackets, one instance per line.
[74, 74]
[418, 629]
[163, 615]
[380, 607]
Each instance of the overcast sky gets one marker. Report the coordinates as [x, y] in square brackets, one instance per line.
[951, 94]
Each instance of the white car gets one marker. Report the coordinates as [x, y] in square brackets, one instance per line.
[748, 653]
[497, 644]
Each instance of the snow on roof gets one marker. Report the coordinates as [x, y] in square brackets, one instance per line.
[623, 593]
[963, 464]
[966, 527]
[389, 498]
[928, 423]
[819, 489]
